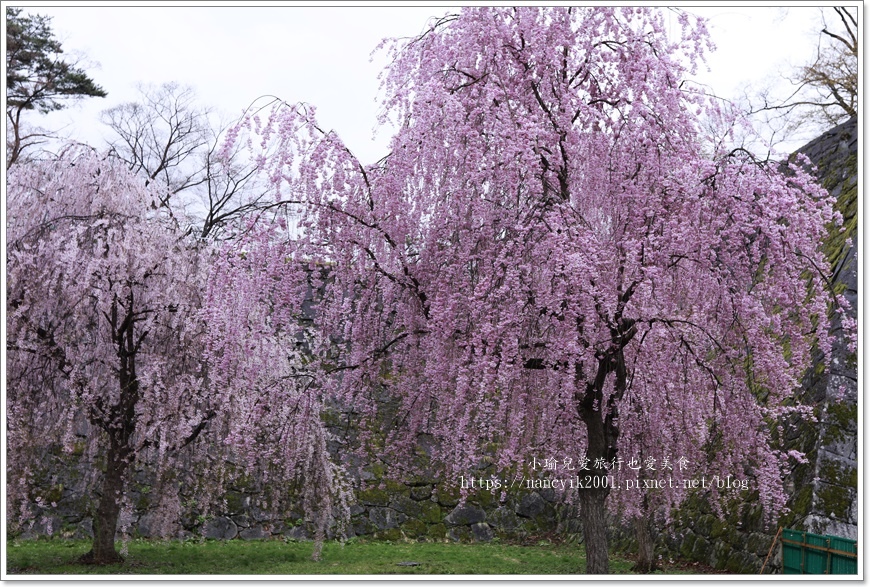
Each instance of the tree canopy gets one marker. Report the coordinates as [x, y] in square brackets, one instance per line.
[107, 348]
[546, 261]
[38, 76]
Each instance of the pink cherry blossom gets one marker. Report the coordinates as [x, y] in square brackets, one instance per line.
[552, 258]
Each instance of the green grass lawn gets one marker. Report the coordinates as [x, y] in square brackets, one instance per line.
[356, 557]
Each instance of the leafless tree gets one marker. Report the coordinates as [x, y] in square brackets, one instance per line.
[160, 136]
[824, 92]
[169, 138]
[231, 188]
[832, 80]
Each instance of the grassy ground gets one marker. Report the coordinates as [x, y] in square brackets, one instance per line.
[356, 557]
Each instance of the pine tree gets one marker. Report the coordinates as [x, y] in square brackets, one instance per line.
[38, 77]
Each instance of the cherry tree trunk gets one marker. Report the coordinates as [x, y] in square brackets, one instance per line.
[646, 562]
[108, 510]
[120, 422]
[593, 515]
[602, 433]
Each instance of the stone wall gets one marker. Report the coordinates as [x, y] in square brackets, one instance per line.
[832, 507]
[385, 509]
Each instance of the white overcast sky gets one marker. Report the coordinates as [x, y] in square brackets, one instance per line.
[231, 55]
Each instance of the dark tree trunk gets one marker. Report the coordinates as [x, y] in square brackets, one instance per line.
[120, 423]
[593, 513]
[646, 562]
[602, 432]
[108, 510]
[14, 150]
